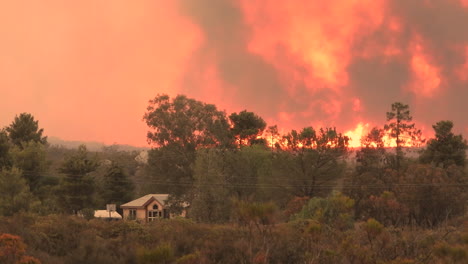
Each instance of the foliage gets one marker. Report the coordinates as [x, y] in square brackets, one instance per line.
[179, 127]
[5, 158]
[77, 187]
[117, 187]
[12, 251]
[371, 175]
[162, 254]
[446, 148]
[224, 175]
[186, 122]
[402, 130]
[14, 192]
[247, 127]
[432, 195]
[24, 129]
[58, 239]
[31, 158]
[169, 170]
[211, 201]
[313, 160]
[336, 211]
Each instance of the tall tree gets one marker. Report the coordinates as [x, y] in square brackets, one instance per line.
[14, 192]
[247, 127]
[446, 148]
[313, 160]
[118, 188]
[433, 194]
[31, 158]
[77, 187]
[5, 157]
[212, 202]
[186, 122]
[273, 137]
[401, 129]
[179, 127]
[24, 129]
[370, 176]
[371, 156]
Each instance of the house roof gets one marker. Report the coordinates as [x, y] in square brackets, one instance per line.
[143, 201]
[105, 214]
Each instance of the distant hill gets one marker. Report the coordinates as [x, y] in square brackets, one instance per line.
[91, 145]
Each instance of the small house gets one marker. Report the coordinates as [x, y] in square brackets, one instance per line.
[147, 208]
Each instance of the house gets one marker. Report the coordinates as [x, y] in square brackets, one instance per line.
[147, 208]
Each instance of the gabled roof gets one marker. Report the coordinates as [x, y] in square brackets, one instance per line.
[143, 201]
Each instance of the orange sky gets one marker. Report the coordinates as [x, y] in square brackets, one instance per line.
[86, 69]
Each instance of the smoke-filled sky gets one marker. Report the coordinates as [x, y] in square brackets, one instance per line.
[86, 69]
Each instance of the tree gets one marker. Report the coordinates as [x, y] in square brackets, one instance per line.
[179, 127]
[370, 175]
[186, 122]
[371, 156]
[118, 188]
[12, 251]
[31, 158]
[312, 160]
[446, 148]
[401, 129]
[14, 192]
[247, 127]
[5, 158]
[273, 137]
[212, 202]
[222, 176]
[24, 129]
[77, 187]
[335, 211]
[432, 194]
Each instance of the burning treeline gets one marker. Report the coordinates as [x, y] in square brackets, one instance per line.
[186, 121]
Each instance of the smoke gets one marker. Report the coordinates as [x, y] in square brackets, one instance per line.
[86, 69]
[300, 63]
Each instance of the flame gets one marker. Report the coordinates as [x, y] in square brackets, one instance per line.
[356, 135]
[362, 129]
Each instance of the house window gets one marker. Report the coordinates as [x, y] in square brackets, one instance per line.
[155, 207]
[153, 215]
[132, 214]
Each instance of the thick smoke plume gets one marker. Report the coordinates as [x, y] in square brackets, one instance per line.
[86, 69]
[338, 63]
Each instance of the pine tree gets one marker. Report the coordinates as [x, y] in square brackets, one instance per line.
[78, 187]
[24, 129]
[446, 148]
[14, 192]
[401, 129]
[118, 188]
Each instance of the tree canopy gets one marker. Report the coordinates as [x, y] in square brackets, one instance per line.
[446, 148]
[78, 186]
[246, 127]
[186, 122]
[24, 129]
[401, 129]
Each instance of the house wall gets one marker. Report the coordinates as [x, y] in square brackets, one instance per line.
[140, 213]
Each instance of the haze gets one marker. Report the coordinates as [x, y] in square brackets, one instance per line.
[86, 69]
